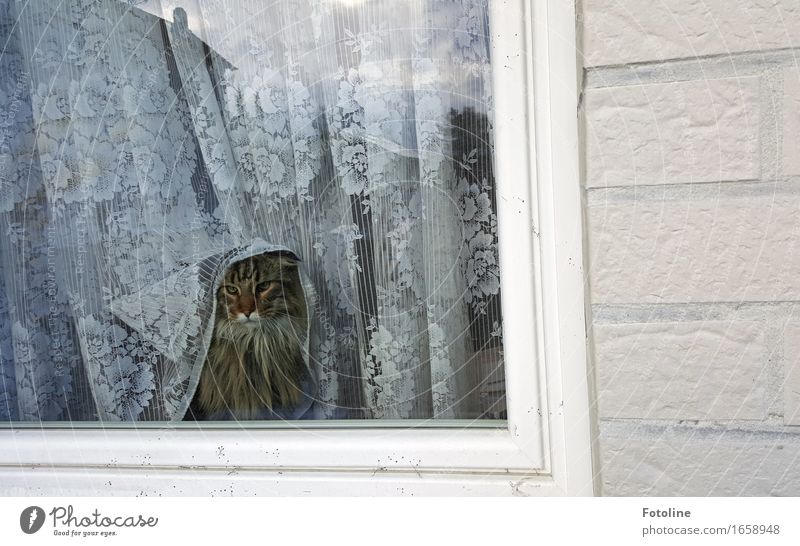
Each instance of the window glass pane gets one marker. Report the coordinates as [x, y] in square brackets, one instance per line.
[248, 210]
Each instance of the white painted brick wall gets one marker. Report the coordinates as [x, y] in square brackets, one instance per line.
[791, 122]
[695, 131]
[680, 460]
[791, 356]
[724, 247]
[629, 31]
[692, 174]
[707, 370]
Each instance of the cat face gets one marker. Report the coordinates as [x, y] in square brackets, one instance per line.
[259, 288]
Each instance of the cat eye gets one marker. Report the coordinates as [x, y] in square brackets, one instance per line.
[263, 286]
[232, 290]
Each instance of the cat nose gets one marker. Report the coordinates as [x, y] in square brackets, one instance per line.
[248, 307]
[253, 315]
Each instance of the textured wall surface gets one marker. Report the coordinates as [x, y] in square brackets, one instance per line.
[691, 114]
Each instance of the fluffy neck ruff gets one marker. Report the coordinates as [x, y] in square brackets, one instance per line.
[249, 368]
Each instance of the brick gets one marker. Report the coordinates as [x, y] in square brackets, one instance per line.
[643, 460]
[710, 370]
[791, 366]
[695, 131]
[730, 249]
[627, 31]
[791, 122]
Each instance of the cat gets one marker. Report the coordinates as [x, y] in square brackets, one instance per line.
[255, 359]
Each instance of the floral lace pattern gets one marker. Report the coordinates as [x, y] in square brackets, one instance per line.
[144, 143]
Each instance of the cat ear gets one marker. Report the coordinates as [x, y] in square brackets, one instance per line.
[288, 259]
[289, 262]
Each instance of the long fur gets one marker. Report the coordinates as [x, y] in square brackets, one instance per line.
[257, 366]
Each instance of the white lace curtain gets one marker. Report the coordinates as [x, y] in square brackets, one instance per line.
[145, 144]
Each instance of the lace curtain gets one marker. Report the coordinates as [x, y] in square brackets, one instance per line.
[147, 144]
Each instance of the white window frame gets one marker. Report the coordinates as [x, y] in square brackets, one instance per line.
[545, 448]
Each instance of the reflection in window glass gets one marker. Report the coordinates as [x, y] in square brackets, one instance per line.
[148, 147]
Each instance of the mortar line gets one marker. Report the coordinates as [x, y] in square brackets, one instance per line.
[693, 191]
[723, 65]
[734, 428]
[645, 313]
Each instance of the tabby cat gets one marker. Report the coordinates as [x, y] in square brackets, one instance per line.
[255, 359]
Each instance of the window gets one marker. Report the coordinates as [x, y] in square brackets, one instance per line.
[153, 145]
[388, 145]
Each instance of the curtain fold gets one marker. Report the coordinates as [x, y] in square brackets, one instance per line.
[148, 143]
